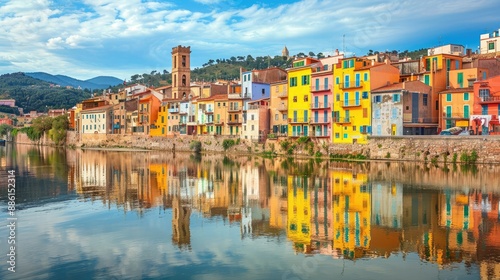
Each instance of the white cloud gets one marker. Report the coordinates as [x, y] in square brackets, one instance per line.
[96, 27]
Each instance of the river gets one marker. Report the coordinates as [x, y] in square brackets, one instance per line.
[94, 214]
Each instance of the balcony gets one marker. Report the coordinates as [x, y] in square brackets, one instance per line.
[351, 84]
[321, 88]
[173, 110]
[489, 99]
[456, 115]
[218, 122]
[283, 107]
[298, 120]
[209, 111]
[350, 103]
[320, 105]
[319, 120]
[234, 122]
[283, 94]
[342, 120]
[233, 109]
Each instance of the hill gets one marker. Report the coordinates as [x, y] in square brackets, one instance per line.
[34, 94]
[100, 82]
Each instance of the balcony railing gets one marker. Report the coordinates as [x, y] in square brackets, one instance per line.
[342, 120]
[320, 105]
[489, 99]
[351, 84]
[209, 111]
[173, 110]
[283, 94]
[234, 122]
[298, 120]
[350, 103]
[321, 87]
[234, 109]
[283, 107]
[319, 120]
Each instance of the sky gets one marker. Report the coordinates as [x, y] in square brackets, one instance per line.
[85, 39]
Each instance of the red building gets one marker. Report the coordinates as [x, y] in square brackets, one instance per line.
[486, 111]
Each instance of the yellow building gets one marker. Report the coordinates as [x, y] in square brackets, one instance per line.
[351, 213]
[299, 213]
[159, 128]
[354, 78]
[299, 96]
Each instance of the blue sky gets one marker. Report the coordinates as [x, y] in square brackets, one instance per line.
[84, 39]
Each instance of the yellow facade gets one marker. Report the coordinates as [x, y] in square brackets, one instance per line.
[299, 98]
[352, 104]
[160, 125]
[299, 213]
[354, 78]
[351, 213]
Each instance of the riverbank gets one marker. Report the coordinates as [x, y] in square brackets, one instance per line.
[434, 148]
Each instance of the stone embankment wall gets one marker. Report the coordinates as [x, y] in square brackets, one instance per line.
[405, 148]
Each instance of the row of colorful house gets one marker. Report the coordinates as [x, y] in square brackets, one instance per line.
[334, 99]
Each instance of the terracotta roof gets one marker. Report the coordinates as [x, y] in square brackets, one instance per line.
[414, 86]
[456, 90]
[97, 109]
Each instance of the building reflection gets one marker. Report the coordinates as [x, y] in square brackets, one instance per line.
[344, 210]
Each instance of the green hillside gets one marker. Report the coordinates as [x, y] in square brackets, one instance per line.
[33, 94]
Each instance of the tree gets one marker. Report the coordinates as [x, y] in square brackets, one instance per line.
[370, 52]
[4, 129]
[301, 55]
[320, 55]
[250, 58]
[311, 54]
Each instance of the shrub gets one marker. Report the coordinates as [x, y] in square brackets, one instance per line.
[228, 143]
[195, 146]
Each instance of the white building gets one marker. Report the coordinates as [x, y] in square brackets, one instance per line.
[96, 120]
[489, 42]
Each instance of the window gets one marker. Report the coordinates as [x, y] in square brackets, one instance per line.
[252, 117]
[448, 97]
[460, 79]
[466, 111]
[425, 98]
[484, 109]
[353, 128]
[337, 97]
[426, 79]
[263, 91]
[364, 95]
[396, 98]
[394, 114]
[365, 112]
[377, 99]
[376, 114]
[276, 117]
[306, 98]
[491, 46]
[484, 94]
[337, 135]
[293, 81]
[466, 96]
[305, 80]
[295, 99]
[253, 128]
[365, 77]
[337, 80]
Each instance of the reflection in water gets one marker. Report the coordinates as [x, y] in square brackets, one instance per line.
[349, 211]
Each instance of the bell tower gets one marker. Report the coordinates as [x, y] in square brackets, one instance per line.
[181, 72]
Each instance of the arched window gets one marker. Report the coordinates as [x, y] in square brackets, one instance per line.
[175, 80]
[183, 80]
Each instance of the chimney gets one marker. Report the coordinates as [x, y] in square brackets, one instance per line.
[468, 52]
[336, 51]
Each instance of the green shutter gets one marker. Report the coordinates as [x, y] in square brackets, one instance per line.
[460, 79]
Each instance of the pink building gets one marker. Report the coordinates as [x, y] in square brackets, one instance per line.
[8, 102]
